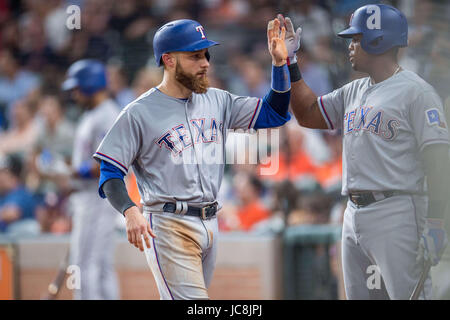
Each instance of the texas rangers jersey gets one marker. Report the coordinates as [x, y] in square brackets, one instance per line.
[176, 146]
[385, 126]
[92, 127]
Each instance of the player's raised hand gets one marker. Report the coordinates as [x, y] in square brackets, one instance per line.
[275, 42]
[138, 228]
[292, 40]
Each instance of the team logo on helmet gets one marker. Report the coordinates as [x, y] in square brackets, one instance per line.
[374, 19]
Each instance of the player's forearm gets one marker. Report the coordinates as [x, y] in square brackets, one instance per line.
[279, 97]
[116, 193]
[303, 98]
[437, 169]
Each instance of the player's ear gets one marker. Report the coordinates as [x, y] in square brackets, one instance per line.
[169, 60]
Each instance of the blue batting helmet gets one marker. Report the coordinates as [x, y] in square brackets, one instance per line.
[88, 75]
[180, 35]
[382, 27]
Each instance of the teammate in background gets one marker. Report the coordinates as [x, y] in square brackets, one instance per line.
[92, 243]
[394, 135]
[174, 136]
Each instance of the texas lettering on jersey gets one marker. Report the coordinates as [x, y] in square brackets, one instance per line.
[178, 138]
[364, 118]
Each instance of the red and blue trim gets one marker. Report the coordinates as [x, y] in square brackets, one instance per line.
[254, 113]
[114, 160]
[327, 118]
[157, 259]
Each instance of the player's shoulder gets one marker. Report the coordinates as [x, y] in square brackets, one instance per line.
[414, 84]
[143, 100]
[215, 95]
[354, 86]
[216, 92]
[357, 83]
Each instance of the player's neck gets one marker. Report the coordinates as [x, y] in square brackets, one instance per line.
[98, 98]
[173, 88]
[383, 71]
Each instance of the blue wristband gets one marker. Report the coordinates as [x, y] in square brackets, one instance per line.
[281, 81]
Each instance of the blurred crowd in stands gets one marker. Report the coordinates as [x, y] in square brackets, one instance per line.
[37, 121]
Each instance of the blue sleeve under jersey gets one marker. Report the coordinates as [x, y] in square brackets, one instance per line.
[107, 172]
[268, 117]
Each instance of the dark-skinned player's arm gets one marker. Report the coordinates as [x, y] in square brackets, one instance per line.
[428, 124]
[304, 103]
[434, 237]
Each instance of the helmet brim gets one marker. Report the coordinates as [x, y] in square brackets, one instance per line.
[196, 46]
[200, 45]
[350, 32]
[69, 84]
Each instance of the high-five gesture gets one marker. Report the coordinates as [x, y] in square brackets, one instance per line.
[275, 43]
[292, 38]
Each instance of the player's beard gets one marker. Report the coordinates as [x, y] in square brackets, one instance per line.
[192, 82]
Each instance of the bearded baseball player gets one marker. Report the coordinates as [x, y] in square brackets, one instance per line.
[93, 232]
[394, 135]
[166, 136]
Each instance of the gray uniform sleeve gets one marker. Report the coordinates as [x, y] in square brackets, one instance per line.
[332, 108]
[242, 111]
[428, 120]
[122, 142]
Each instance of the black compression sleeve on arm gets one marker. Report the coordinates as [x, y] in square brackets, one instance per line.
[117, 194]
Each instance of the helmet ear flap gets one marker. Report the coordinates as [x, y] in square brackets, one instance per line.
[375, 42]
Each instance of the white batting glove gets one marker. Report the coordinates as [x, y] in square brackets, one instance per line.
[433, 241]
[292, 38]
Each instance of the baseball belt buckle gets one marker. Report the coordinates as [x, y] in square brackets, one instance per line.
[204, 211]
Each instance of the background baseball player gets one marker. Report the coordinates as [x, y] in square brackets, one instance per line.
[92, 239]
[167, 135]
[394, 134]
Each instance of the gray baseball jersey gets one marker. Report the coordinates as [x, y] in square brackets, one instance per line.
[176, 146]
[385, 126]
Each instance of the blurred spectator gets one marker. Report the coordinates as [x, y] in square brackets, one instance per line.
[312, 208]
[8, 34]
[249, 210]
[146, 78]
[439, 76]
[36, 54]
[51, 156]
[118, 85]
[295, 163]
[94, 40]
[58, 36]
[22, 134]
[315, 22]
[225, 12]
[313, 73]
[131, 21]
[249, 77]
[15, 82]
[421, 37]
[17, 204]
[329, 173]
